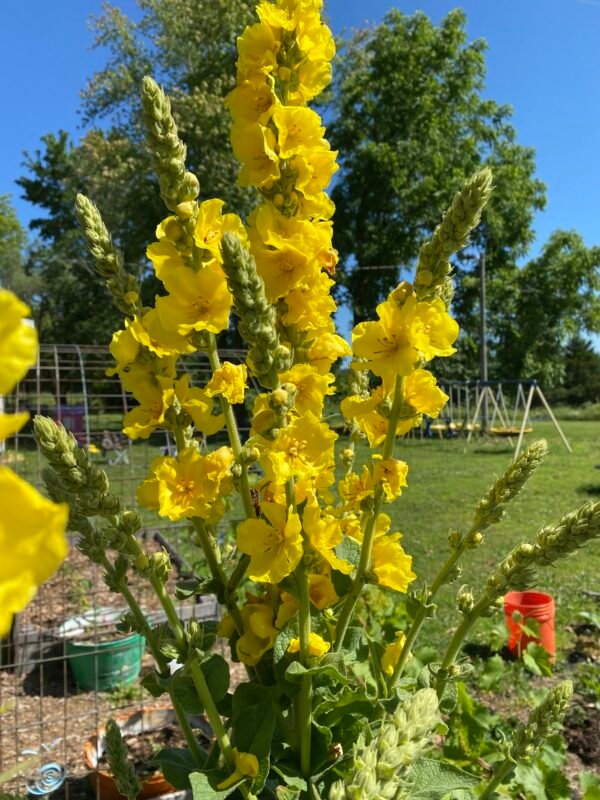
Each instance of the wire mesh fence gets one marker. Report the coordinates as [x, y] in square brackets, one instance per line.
[63, 670]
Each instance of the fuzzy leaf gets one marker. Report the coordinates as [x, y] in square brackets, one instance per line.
[202, 789]
[434, 780]
[176, 764]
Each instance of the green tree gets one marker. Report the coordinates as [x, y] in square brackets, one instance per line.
[188, 46]
[13, 244]
[554, 297]
[411, 125]
[581, 383]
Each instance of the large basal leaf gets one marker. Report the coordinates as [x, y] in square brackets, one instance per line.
[434, 780]
[176, 764]
[202, 789]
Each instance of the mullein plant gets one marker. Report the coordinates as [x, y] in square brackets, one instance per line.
[325, 712]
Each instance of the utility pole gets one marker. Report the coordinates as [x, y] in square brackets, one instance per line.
[483, 363]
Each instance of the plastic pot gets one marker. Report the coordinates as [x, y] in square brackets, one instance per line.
[148, 719]
[99, 666]
[531, 606]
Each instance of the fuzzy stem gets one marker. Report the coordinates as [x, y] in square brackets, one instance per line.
[499, 776]
[457, 639]
[304, 705]
[369, 534]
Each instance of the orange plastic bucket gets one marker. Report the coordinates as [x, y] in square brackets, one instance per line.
[531, 606]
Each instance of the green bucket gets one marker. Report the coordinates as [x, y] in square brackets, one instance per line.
[104, 665]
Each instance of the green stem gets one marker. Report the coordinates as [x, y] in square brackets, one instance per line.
[421, 614]
[233, 433]
[369, 534]
[459, 636]
[197, 753]
[499, 776]
[304, 703]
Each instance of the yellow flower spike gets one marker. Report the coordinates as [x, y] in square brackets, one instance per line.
[32, 542]
[246, 766]
[275, 548]
[254, 145]
[317, 646]
[391, 474]
[18, 341]
[390, 657]
[229, 381]
[311, 388]
[197, 301]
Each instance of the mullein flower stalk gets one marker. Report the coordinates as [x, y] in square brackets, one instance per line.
[432, 278]
[519, 570]
[381, 769]
[490, 510]
[119, 764]
[257, 316]
[178, 188]
[531, 735]
[108, 259]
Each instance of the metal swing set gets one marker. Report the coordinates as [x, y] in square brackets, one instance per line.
[484, 407]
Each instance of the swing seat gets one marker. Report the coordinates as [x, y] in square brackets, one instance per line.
[501, 431]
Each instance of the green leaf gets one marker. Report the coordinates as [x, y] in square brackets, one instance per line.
[348, 550]
[190, 586]
[216, 673]
[537, 659]
[291, 779]
[202, 789]
[295, 672]
[493, 670]
[153, 684]
[590, 785]
[433, 780]
[176, 764]
[253, 719]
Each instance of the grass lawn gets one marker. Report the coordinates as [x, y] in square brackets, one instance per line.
[445, 484]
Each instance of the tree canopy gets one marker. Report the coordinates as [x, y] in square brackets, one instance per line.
[411, 126]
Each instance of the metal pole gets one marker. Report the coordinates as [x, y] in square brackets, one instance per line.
[483, 363]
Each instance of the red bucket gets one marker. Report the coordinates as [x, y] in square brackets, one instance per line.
[531, 606]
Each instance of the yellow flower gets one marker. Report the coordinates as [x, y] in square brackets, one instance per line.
[246, 766]
[193, 485]
[422, 395]
[257, 49]
[199, 405]
[317, 646]
[254, 145]
[325, 534]
[310, 306]
[147, 492]
[151, 333]
[11, 423]
[321, 590]
[259, 633]
[391, 475]
[32, 543]
[124, 348]
[311, 388]
[211, 224]
[299, 130]
[389, 562]
[275, 548]
[355, 488]
[327, 348]
[165, 257]
[284, 268]
[251, 101]
[197, 301]
[18, 341]
[392, 652]
[155, 398]
[287, 608]
[315, 170]
[402, 336]
[303, 449]
[229, 381]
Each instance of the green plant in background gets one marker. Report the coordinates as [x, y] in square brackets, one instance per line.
[328, 709]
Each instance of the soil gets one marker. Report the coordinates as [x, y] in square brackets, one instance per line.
[582, 734]
[142, 748]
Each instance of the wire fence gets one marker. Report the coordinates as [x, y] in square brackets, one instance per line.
[63, 671]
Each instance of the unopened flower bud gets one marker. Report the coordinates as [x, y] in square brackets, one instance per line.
[186, 210]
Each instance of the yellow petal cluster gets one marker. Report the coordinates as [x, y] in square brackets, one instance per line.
[317, 646]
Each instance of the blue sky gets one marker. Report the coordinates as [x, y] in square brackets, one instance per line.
[543, 59]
